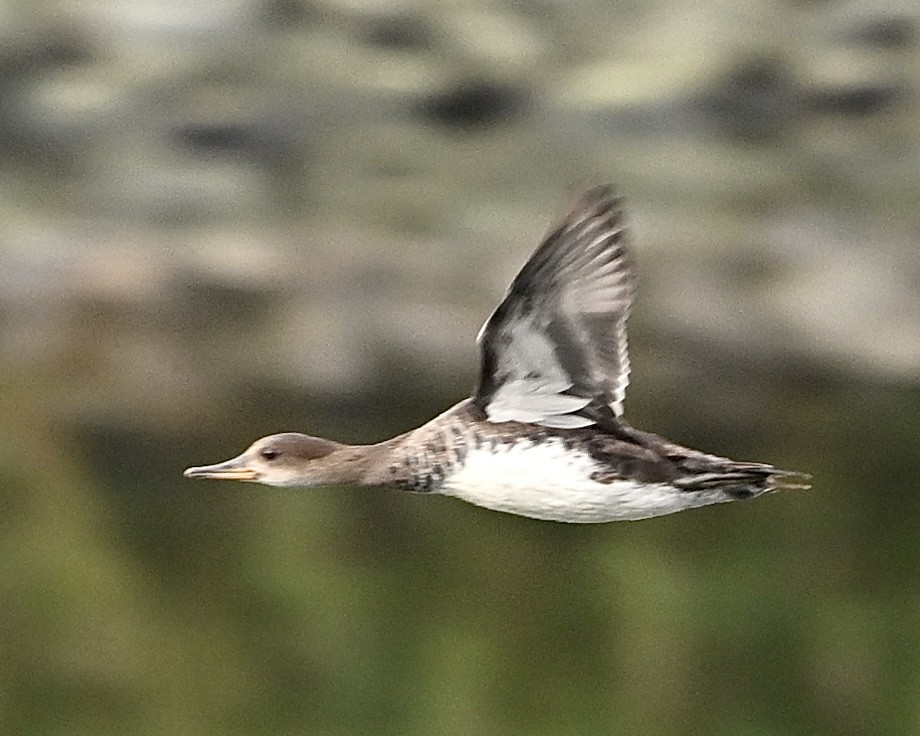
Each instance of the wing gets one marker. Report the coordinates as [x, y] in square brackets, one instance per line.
[556, 346]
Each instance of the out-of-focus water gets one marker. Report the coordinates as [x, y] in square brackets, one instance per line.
[221, 221]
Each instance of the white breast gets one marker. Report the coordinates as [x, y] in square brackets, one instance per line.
[544, 480]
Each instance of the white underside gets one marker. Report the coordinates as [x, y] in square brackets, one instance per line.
[546, 481]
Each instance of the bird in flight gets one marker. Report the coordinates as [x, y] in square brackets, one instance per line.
[543, 434]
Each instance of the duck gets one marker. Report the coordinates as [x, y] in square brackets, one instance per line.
[542, 434]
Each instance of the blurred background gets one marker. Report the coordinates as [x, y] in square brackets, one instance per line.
[220, 220]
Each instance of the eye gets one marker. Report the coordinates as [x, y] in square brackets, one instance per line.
[269, 454]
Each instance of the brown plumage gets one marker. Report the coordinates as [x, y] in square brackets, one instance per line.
[543, 433]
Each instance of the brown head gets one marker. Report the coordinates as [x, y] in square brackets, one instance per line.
[289, 459]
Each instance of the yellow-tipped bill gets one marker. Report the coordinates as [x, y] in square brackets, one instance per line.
[235, 469]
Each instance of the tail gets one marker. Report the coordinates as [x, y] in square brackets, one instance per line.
[746, 480]
[789, 480]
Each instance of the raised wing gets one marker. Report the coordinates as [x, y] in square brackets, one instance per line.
[554, 351]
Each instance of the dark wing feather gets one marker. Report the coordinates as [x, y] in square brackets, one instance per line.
[554, 351]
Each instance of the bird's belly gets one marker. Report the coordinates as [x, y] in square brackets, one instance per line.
[547, 481]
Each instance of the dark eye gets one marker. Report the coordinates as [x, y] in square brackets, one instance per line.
[269, 454]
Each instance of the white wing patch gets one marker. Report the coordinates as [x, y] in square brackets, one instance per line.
[536, 398]
[532, 402]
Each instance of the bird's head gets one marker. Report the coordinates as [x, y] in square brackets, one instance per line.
[287, 459]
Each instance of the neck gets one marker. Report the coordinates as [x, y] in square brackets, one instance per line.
[345, 465]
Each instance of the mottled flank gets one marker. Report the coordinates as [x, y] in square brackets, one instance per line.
[543, 434]
[575, 475]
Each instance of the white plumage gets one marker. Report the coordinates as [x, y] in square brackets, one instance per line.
[544, 480]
